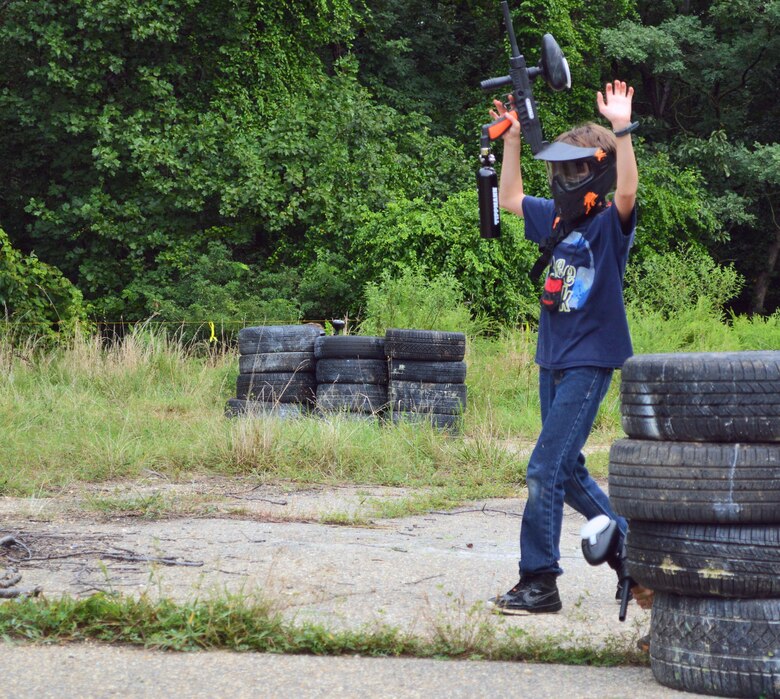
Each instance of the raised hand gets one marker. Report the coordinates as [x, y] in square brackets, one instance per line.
[616, 106]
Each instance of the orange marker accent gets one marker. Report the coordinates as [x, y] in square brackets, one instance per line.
[590, 201]
[500, 126]
[599, 155]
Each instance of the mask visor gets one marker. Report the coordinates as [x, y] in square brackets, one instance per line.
[570, 174]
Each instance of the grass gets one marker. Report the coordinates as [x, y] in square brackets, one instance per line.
[96, 412]
[151, 506]
[91, 411]
[237, 623]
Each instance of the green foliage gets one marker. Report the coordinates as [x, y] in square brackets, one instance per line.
[756, 332]
[675, 302]
[341, 156]
[325, 289]
[674, 283]
[185, 129]
[36, 297]
[412, 300]
[431, 57]
[443, 238]
[238, 158]
[709, 96]
[197, 287]
[697, 328]
[673, 205]
[165, 111]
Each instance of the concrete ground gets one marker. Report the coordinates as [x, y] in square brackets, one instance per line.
[427, 574]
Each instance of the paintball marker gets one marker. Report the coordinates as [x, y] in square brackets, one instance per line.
[602, 543]
[554, 68]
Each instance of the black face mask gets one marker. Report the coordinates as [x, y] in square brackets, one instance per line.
[580, 187]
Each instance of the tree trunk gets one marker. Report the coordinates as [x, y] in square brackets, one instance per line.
[765, 276]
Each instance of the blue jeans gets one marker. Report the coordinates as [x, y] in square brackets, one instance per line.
[570, 399]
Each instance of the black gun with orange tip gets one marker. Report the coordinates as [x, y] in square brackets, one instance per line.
[552, 67]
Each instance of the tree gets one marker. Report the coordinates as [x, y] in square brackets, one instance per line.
[128, 129]
[710, 88]
[430, 57]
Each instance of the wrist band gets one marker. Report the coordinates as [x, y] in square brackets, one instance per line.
[633, 126]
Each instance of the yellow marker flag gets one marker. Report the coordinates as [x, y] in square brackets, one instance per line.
[213, 337]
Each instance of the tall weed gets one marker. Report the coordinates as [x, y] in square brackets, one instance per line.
[92, 410]
[673, 283]
[698, 328]
[413, 300]
[502, 384]
[756, 332]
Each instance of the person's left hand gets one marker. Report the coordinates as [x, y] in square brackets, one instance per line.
[616, 106]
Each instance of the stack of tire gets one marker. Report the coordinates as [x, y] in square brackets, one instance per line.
[351, 375]
[427, 380]
[276, 370]
[699, 481]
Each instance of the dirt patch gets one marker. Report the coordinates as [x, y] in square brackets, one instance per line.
[421, 573]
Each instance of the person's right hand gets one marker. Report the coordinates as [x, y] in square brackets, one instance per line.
[513, 134]
[643, 596]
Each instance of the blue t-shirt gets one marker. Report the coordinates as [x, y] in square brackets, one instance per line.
[590, 327]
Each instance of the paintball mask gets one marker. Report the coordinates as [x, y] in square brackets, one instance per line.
[580, 187]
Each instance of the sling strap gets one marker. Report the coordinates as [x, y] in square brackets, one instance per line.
[547, 246]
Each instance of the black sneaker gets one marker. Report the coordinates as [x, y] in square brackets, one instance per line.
[532, 595]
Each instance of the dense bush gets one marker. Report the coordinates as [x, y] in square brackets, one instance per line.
[34, 297]
[412, 300]
[676, 281]
[676, 301]
[233, 159]
[137, 138]
[443, 238]
[214, 287]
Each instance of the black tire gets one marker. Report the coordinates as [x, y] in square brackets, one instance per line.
[356, 398]
[272, 387]
[675, 368]
[706, 560]
[419, 397]
[710, 396]
[261, 339]
[718, 428]
[276, 361]
[236, 407]
[433, 345]
[725, 647]
[695, 482]
[430, 372]
[720, 407]
[349, 347]
[451, 423]
[691, 392]
[352, 371]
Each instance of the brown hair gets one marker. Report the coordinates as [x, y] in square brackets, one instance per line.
[590, 135]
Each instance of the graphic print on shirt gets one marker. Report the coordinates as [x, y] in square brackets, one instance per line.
[575, 266]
